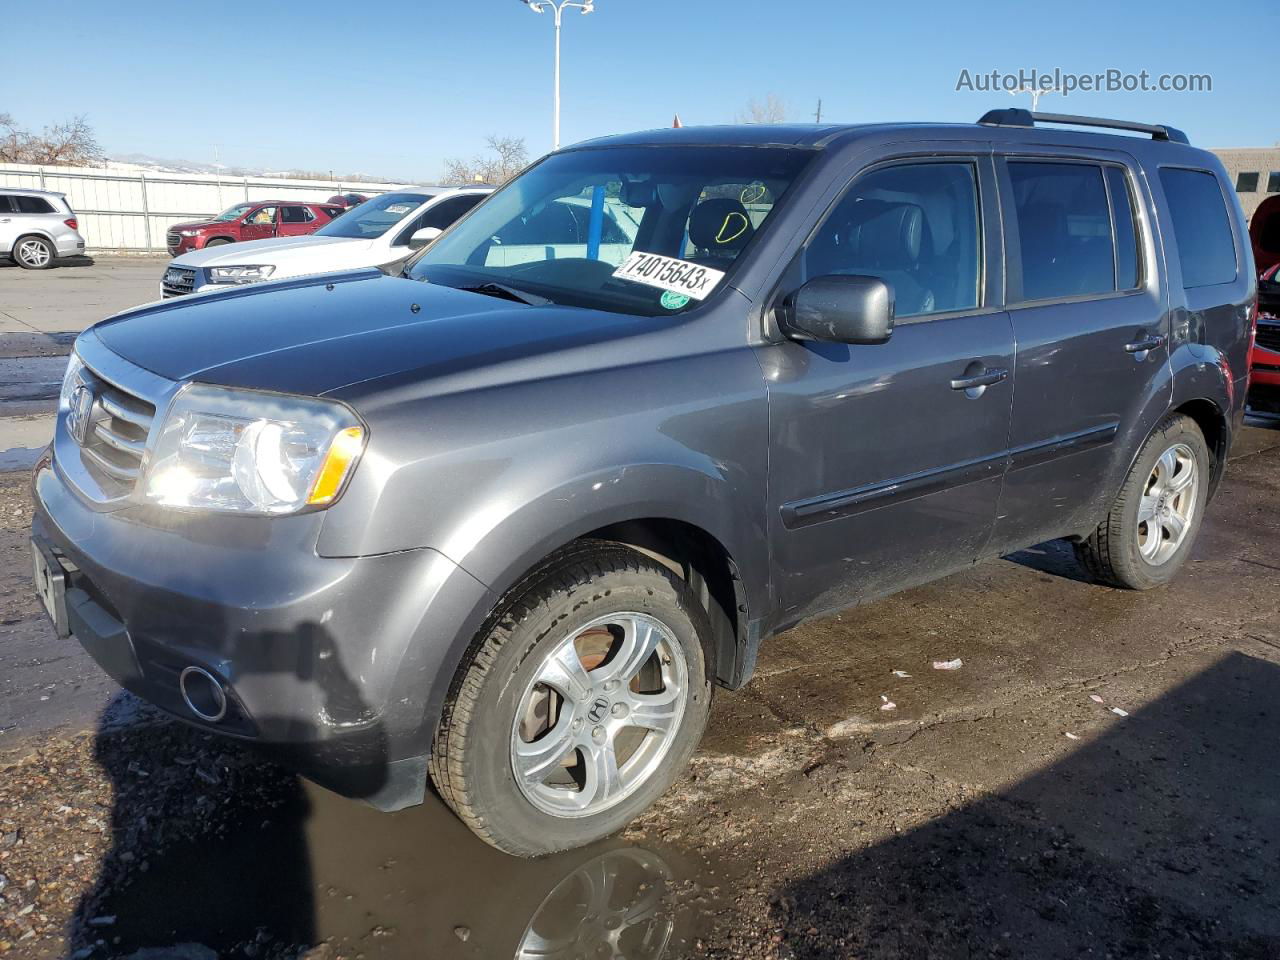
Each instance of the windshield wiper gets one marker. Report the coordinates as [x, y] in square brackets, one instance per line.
[501, 290]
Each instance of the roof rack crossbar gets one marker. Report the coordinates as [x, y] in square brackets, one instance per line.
[1018, 117]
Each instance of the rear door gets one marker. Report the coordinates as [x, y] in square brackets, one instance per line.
[8, 224]
[259, 224]
[295, 220]
[1092, 324]
[886, 460]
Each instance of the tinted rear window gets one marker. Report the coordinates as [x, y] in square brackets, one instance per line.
[6, 206]
[33, 204]
[1064, 229]
[1201, 227]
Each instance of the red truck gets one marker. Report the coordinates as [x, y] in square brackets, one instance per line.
[251, 221]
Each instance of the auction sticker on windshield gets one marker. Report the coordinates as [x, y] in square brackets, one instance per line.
[669, 273]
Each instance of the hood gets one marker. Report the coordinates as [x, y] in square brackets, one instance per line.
[315, 335]
[199, 225]
[270, 250]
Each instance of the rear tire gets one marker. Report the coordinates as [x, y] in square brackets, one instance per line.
[34, 253]
[623, 637]
[1148, 535]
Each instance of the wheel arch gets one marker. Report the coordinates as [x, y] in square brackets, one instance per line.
[41, 234]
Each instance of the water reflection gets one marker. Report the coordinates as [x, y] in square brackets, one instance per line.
[620, 904]
[289, 864]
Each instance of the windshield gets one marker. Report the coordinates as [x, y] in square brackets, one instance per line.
[233, 213]
[374, 217]
[641, 230]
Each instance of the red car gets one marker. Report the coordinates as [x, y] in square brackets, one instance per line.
[251, 221]
[1264, 361]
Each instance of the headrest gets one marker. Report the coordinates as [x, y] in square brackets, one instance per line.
[720, 225]
[887, 234]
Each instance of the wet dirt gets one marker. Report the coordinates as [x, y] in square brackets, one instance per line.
[998, 810]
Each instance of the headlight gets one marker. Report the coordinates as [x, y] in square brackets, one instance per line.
[70, 380]
[239, 451]
[189, 233]
[246, 274]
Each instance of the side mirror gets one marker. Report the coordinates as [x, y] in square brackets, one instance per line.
[424, 236]
[842, 310]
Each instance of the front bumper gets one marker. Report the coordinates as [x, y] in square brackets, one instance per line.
[339, 663]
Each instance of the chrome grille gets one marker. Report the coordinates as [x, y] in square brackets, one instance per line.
[116, 436]
[172, 239]
[178, 281]
[1269, 336]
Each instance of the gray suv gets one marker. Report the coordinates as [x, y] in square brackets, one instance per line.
[504, 519]
[37, 227]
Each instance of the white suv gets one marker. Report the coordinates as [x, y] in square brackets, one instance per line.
[376, 233]
[37, 227]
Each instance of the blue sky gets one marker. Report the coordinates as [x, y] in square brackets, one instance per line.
[394, 87]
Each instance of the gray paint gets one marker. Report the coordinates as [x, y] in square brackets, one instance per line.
[499, 432]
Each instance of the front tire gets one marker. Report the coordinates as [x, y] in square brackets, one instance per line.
[34, 253]
[579, 705]
[1149, 533]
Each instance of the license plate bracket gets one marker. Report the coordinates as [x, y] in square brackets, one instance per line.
[51, 584]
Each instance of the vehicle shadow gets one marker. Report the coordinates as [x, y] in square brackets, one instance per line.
[1054, 557]
[217, 852]
[1159, 839]
[77, 261]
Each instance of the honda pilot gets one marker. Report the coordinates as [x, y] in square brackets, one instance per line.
[502, 524]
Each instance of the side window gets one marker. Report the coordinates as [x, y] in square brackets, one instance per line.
[1128, 254]
[446, 211]
[6, 204]
[1064, 229]
[1201, 227]
[32, 204]
[261, 216]
[295, 215]
[916, 226]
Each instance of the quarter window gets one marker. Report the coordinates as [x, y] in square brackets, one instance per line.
[916, 227]
[1247, 183]
[32, 204]
[1201, 228]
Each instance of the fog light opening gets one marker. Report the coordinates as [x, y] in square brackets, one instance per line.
[203, 694]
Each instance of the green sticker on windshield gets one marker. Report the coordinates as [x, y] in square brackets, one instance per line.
[674, 301]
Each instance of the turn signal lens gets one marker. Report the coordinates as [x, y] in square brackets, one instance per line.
[344, 451]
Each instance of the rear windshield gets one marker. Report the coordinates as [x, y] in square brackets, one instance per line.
[641, 230]
[374, 217]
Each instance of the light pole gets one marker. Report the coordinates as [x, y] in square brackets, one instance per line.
[557, 8]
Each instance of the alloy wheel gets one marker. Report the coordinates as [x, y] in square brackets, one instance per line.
[34, 253]
[1168, 504]
[600, 714]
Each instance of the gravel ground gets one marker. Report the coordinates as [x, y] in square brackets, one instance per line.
[1097, 779]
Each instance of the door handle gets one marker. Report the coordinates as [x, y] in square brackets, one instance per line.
[1142, 346]
[985, 379]
[4, 219]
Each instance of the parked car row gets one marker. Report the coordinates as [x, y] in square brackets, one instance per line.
[374, 233]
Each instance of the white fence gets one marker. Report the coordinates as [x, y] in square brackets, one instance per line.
[127, 210]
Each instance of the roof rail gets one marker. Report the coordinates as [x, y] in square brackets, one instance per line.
[1018, 117]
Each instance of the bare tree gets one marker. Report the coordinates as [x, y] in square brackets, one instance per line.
[69, 144]
[772, 110]
[507, 157]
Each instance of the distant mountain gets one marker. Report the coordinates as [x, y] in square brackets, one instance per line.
[135, 162]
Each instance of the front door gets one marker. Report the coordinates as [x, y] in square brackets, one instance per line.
[259, 224]
[886, 461]
[1092, 327]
